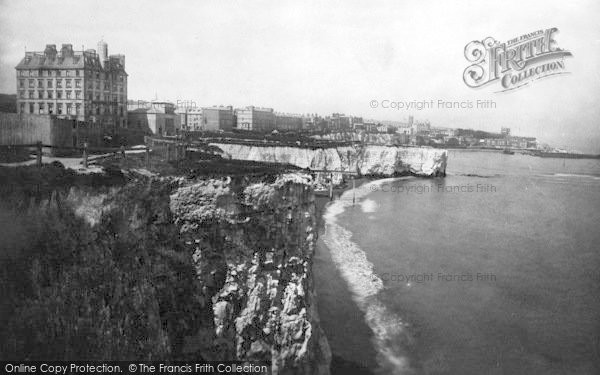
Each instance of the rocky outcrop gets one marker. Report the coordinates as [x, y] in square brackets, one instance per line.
[252, 246]
[388, 161]
[370, 160]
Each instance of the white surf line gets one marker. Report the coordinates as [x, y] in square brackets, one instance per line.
[569, 175]
[364, 284]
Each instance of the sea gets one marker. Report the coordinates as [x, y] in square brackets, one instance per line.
[494, 269]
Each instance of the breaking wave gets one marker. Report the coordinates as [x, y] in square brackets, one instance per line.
[576, 175]
[387, 327]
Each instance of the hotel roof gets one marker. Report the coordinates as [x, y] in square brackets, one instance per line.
[68, 59]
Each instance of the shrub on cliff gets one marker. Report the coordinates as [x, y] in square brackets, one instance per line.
[122, 289]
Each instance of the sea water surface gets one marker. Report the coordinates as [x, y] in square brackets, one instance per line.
[494, 269]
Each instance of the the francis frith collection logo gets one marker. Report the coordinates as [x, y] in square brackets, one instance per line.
[514, 63]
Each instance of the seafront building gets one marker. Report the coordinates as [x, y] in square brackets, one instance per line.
[190, 118]
[356, 122]
[420, 128]
[339, 122]
[158, 118]
[218, 118]
[255, 118]
[66, 98]
[86, 86]
[288, 122]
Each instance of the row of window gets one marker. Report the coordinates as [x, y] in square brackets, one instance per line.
[68, 73]
[49, 108]
[50, 83]
[50, 94]
[68, 84]
[50, 73]
[66, 109]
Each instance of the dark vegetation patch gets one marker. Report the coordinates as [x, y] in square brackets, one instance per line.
[123, 289]
[10, 154]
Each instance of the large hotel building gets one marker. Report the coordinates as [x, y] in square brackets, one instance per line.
[87, 86]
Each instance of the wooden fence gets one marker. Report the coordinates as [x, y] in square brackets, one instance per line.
[172, 152]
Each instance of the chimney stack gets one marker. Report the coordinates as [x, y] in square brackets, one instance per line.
[118, 60]
[102, 52]
[67, 50]
[50, 51]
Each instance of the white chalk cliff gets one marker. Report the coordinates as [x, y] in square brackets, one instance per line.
[366, 160]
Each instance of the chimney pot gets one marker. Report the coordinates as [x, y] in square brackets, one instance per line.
[67, 50]
[50, 50]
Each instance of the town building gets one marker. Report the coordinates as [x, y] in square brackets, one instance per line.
[309, 121]
[87, 86]
[420, 128]
[384, 128]
[345, 122]
[356, 123]
[256, 119]
[399, 126]
[288, 122]
[339, 122]
[218, 118]
[190, 118]
[314, 122]
[158, 118]
[370, 126]
[496, 142]
[403, 138]
[439, 133]
[404, 130]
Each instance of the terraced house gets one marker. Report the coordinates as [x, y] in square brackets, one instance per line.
[88, 86]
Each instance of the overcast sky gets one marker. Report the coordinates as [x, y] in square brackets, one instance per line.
[326, 57]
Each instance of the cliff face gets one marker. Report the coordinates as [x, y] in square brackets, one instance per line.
[387, 161]
[160, 269]
[366, 160]
[361, 136]
[252, 246]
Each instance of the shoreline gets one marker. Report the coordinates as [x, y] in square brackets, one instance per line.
[322, 201]
[353, 327]
[338, 289]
